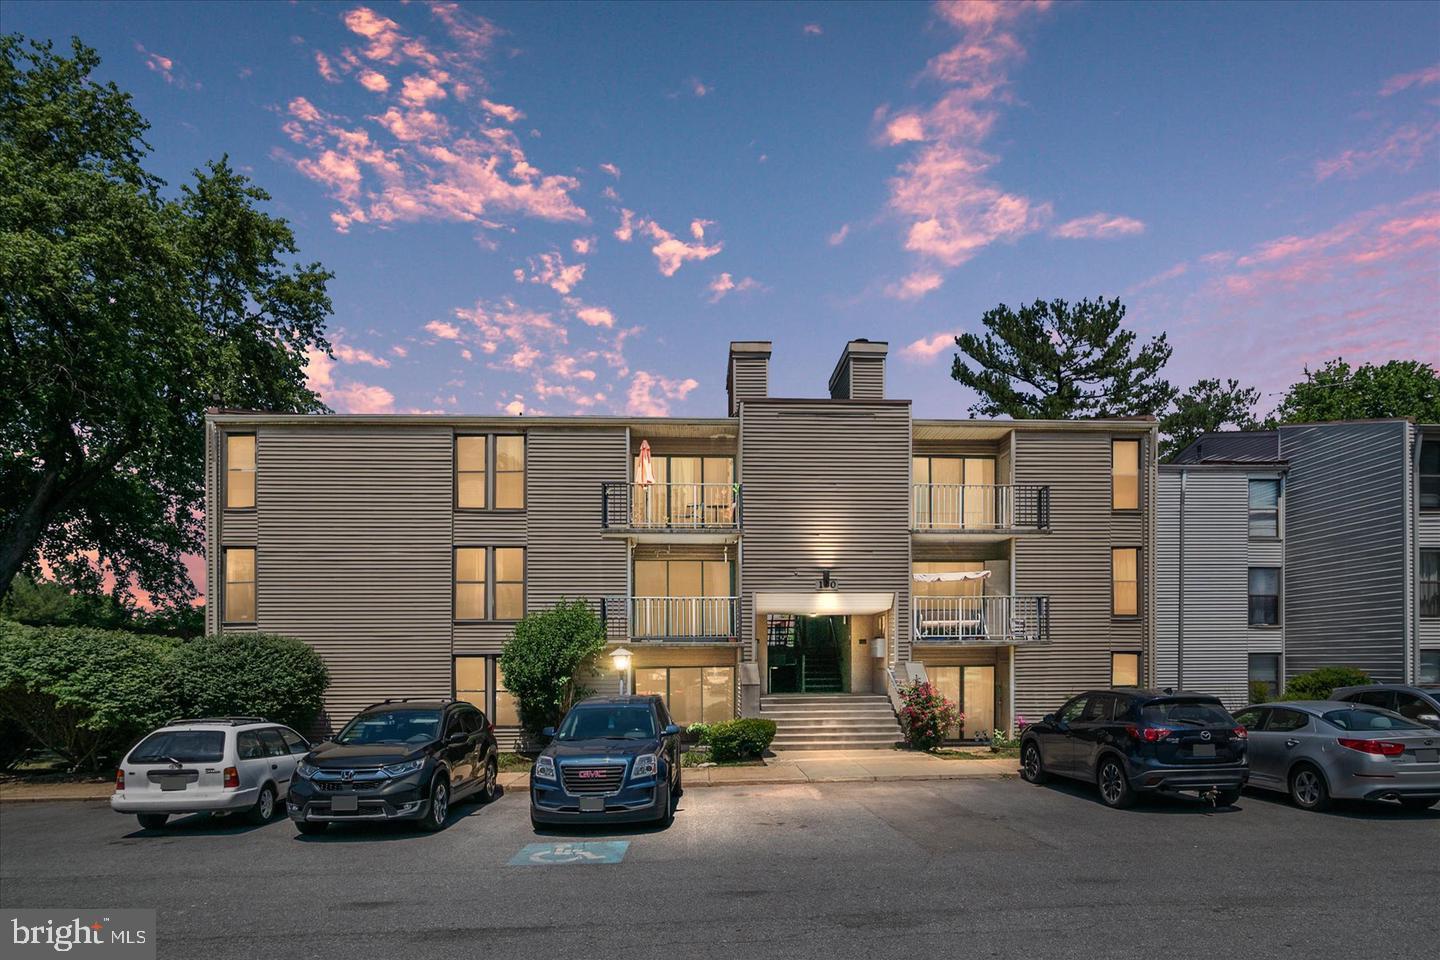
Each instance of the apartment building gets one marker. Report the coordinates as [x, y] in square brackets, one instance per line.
[1285, 550]
[793, 552]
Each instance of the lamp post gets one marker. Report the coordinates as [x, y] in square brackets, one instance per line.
[620, 657]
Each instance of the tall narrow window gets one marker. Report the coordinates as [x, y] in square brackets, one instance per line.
[470, 583]
[1125, 581]
[1124, 669]
[1264, 677]
[1430, 474]
[239, 585]
[1430, 666]
[510, 473]
[239, 470]
[470, 682]
[509, 583]
[1265, 508]
[1429, 585]
[1264, 596]
[1125, 474]
[470, 460]
[507, 712]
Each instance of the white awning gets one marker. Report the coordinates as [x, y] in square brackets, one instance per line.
[824, 603]
[952, 577]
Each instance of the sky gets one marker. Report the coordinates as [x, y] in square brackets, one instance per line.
[573, 208]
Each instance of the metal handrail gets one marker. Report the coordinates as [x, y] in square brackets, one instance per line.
[953, 507]
[670, 506]
[664, 619]
[982, 619]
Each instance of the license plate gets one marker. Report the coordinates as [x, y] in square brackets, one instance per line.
[1427, 756]
[344, 804]
[174, 783]
[592, 804]
[1203, 750]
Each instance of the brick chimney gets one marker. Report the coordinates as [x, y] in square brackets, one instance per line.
[860, 374]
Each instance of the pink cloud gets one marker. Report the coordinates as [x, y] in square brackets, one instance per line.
[1163, 277]
[348, 354]
[698, 88]
[596, 316]
[374, 81]
[650, 394]
[904, 128]
[611, 169]
[361, 398]
[507, 113]
[382, 32]
[725, 284]
[419, 89]
[414, 124]
[165, 66]
[1400, 150]
[583, 245]
[326, 68]
[812, 30]
[626, 230]
[399, 350]
[551, 270]
[915, 285]
[926, 349]
[1099, 226]
[443, 330]
[569, 368]
[1423, 77]
[319, 371]
[838, 237]
[670, 252]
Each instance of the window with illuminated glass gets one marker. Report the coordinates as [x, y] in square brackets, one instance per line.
[689, 491]
[470, 684]
[507, 711]
[472, 457]
[683, 598]
[509, 583]
[510, 473]
[692, 694]
[1125, 474]
[489, 583]
[470, 583]
[1124, 669]
[954, 492]
[239, 471]
[239, 601]
[1125, 581]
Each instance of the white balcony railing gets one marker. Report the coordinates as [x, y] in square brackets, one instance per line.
[670, 506]
[672, 618]
[959, 507]
[982, 619]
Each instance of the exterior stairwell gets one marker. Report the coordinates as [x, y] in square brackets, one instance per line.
[831, 721]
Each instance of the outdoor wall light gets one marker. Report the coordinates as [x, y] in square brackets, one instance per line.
[620, 657]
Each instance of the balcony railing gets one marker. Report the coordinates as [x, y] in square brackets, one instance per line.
[978, 507]
[671, 619]
[983, 619]
[670, 506]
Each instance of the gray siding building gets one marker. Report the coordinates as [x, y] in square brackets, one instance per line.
[798, 551]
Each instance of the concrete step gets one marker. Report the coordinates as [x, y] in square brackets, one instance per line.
[820, 699]
[874, 742]
[837, 723]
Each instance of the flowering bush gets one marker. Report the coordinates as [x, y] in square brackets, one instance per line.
[925, 715]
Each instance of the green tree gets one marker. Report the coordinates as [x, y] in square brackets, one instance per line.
[1400, 388]
[1205, 408]
[1054, 360]
[543, 660]
[47, 603]
[125, 315]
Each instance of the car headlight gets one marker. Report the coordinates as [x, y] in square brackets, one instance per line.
[544, 769]
[402, 769]
[645, 766]
[306, 770]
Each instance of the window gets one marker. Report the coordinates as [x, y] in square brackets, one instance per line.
[507, 712]
[1252, 719]
[1264, 596]
[493, 590]
[1125, 581]
[1265, 671]
[1125, 474]
[1430, 474]
[510, 473]
[1265, 508]
[1284, 721]
[509, 583]
[682, 598]
[239, 585]
[691, 694]
[471, 456]
[1412, 707]
[294, 743]
[239, 471]
[248, 746]
[689, 491]
[470, 583]
[1430, 666]
[1429, 585]
[1072, 710]
[470, 683]
[274, 744]
[1124, 669]
[1100, 709]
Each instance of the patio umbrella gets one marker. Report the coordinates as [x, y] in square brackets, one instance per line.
[645, 473]
[952, 577]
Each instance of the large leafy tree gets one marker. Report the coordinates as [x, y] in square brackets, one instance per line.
[125, 315]
[1400, 388]
[1055, 360]
[1208, 406]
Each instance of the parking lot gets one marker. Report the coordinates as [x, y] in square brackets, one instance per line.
[973, 868]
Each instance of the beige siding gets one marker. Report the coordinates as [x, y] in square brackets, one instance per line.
[566, 557]
[212, 529]
[749, 380]
[867, 378]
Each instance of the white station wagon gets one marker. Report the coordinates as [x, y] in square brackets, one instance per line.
[210, 765]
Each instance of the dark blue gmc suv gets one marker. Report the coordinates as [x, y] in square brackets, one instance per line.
[613, 759]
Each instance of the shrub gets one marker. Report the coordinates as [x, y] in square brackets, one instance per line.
[925, 715]
[1260, 692]
[744, 738]
[1319, 684]
[243, 674]
[698, 731]
[544, 657]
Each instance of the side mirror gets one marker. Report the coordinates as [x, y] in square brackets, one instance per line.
[458, 737]
[672, 730]
[547, 732]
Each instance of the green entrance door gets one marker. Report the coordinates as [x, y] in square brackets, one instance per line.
[807, 654]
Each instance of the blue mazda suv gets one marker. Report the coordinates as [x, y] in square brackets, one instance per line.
[612, 760]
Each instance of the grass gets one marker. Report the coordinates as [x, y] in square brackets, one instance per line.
[693, 758]
[514, 763]
[983, 753]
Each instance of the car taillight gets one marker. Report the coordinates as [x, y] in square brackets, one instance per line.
[1240, 733]
[232, 778]
[1150, 734]
[1376, 748]
[119, 780]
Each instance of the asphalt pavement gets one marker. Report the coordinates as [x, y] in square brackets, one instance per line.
[970, 869]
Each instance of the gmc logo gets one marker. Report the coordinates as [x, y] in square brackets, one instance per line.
[591, 774]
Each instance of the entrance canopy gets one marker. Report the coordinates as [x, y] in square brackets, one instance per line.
[824, 603]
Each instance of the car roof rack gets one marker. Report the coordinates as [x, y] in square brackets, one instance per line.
[230, 721]
[419, 700]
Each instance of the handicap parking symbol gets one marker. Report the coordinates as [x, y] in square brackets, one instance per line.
[550, 854]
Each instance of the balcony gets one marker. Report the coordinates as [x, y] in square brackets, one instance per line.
[672, 512]
[978, 511]
[671, 619]
[981, 620]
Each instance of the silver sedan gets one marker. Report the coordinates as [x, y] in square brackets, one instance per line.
[1319, 750]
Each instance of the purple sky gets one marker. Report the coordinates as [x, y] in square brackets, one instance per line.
[572, 208]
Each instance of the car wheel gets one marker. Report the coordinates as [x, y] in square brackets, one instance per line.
[311, 827]
[490, 786]
[1418, 803]
[677, 790]
[152, 821]
[439, 806]
[1032, 768]
[1227, 798]
[264, 807]
[1114, 785]
[1308, 790]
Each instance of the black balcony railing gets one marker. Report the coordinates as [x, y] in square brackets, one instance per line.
[665, 507]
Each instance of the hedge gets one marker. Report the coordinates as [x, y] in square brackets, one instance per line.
[1319, 684]
[744, 738]
[88, 694]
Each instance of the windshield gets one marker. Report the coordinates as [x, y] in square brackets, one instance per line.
[181, 746]
[392, 726]
[608, 723]
[1370, 720]
[1199, 713]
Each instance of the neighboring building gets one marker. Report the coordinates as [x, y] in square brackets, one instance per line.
[1285, 550]
[794, 546]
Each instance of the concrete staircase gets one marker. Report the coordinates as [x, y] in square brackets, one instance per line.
[830, 721]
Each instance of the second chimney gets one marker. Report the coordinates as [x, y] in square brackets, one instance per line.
[748, 375]
[860, 374]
